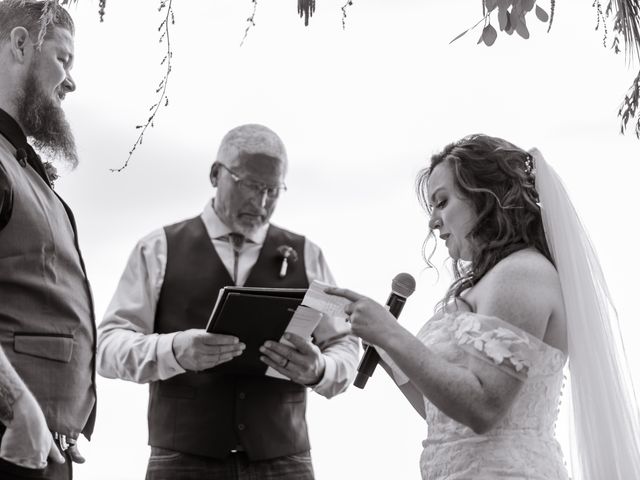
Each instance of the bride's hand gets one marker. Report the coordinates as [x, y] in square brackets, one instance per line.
[369, 320]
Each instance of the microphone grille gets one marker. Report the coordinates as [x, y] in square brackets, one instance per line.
[403, 285]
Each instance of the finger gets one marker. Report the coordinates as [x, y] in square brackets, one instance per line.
[213, 339]
[74, 453]
[343, 292]
[54, 454]
[210, 361]
[221, 349]
[280, 356]
[280, 349]
[283, 369]
[303, 345]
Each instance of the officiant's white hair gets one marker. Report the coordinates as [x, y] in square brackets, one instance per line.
[251, 138]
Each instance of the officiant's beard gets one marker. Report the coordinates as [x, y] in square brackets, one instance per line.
[45, 123]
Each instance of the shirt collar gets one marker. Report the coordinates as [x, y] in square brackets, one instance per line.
[10, 129]
[216, 228]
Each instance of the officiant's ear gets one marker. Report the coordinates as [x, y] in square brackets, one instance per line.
[213, 176]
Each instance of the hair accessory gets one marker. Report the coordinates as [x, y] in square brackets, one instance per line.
[530, 168]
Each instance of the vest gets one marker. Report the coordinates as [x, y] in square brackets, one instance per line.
[208, 413]
[47, 325]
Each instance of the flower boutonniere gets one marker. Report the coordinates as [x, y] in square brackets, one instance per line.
[288, 255]
[52, 172]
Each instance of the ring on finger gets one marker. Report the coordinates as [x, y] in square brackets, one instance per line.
[286, 362]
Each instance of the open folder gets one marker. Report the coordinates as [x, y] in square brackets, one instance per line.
[256, 315]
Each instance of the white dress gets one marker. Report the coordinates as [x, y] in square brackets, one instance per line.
[522, 445]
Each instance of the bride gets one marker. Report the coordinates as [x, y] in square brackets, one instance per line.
[486, 372]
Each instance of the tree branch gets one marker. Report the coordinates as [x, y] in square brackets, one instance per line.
[162, 86]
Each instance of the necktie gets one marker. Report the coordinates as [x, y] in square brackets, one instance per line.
[236, 240]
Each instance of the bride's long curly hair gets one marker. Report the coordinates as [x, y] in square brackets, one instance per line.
[497, 179]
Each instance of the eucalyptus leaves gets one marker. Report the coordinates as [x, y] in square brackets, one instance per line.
[512, 17]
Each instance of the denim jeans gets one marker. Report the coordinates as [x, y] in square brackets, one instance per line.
[171, 465]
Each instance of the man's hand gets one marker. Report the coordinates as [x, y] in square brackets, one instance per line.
[27, 441]
[301, 360]
[197, 349]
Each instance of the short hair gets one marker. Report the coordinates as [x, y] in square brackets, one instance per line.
[34, 16]
[497, 179]
[251, 138]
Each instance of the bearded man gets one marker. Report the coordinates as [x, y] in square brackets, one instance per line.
[47, 328]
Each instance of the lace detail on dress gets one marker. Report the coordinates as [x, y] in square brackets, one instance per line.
[522, 444]
[509, 348]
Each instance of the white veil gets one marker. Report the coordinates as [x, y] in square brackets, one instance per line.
[605, 412]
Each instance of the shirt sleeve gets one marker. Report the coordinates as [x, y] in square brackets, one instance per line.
[6, 198]
[339, 348]
[128, 348]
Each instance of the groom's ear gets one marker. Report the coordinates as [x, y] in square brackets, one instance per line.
[19, 39]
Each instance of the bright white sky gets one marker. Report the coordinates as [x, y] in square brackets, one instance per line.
[360, 111]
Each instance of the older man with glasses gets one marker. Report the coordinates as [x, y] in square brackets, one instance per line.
[205, 424]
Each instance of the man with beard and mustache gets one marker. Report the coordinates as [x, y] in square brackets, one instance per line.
[47, 328]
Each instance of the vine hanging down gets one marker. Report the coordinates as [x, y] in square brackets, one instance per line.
[626, 25]
[344, 13]
[161, 90]
[250, 21]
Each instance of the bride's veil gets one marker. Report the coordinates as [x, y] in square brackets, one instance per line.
[606, 442]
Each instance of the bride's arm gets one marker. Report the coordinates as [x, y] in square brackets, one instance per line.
[521, 290]
[409, 390]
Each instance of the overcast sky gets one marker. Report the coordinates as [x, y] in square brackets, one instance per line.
[360, 111]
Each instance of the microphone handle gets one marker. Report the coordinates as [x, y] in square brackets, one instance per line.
[367, 365]
[371, 357]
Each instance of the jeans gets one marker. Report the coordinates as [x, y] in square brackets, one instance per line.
[171, 465]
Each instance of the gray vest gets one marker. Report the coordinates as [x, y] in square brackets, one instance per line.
[47, 327]
[209, 413]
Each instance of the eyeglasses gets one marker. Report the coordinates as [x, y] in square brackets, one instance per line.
[253, 187]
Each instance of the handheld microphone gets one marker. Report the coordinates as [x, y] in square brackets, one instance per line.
[402, 286]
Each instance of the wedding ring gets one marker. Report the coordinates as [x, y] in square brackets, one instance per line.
[286, 362]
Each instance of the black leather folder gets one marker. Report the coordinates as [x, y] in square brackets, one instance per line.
[254, 315]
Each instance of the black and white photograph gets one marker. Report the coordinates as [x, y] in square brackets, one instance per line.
[319, 239]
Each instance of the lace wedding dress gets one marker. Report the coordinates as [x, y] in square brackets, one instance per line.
[522, 444]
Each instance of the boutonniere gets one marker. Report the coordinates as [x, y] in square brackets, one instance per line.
[52, 172]
[288, 255]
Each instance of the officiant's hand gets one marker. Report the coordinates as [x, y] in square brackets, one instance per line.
[196, 349]
[301, 361]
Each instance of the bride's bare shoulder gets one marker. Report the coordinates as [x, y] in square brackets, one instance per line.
[523, 288]
[527, 264]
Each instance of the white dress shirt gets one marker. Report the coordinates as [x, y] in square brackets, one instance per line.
[129, 349]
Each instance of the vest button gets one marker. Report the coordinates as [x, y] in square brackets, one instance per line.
[241, 396]
[241, 426]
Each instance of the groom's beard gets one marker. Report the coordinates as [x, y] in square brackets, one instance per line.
[45, 123]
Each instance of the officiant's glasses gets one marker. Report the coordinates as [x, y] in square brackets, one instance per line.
[253, 187]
